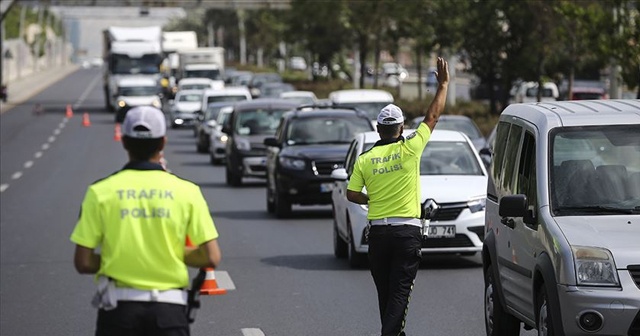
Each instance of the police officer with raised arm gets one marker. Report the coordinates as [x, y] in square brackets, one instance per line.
[140, 218]
[390, 172]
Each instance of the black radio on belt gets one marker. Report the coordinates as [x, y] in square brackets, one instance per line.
[193, 295]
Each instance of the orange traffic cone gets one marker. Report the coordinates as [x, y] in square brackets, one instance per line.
[210, 285]
[69, 112]
[117, 134]
[85, 120]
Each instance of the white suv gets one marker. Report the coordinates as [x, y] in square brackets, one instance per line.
[451, 174]
[562, 243]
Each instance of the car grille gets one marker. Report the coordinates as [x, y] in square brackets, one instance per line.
[635, 273]
[325, 167]
[460, 240]
[449, 212]
[634, 330]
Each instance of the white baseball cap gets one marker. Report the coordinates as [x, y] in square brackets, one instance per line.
[390, 115]
[144, 122]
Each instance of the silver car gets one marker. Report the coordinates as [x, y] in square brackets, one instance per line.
[562, 244]
[218, 138]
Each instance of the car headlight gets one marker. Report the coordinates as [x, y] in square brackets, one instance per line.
[243, 144]
[156, 103]
[477, 204]
[122, 103]
[292, 163]
[594, 267]
[224, 138]
[179, 121]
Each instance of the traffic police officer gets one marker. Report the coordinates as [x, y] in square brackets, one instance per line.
[140, 218]
[390, 172]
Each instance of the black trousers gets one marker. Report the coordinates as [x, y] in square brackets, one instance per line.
[394, 259]
[143, 319]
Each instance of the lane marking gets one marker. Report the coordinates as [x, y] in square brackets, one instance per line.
[86, 92]
[251, 332]
[56, 131]
[16, 175]
[3, 187]
[28, 164]
[52, 139]
[224, 280]
[45, 146]
[38, 155]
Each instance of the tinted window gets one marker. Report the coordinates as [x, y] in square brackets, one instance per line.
[211, 74]
[190, 98]
[513, 145]
[195, 86]
[449, 158]
[499, 148]
[304, 131]
[258, 122]
[526, 181]
[218, 99]
[139, 91]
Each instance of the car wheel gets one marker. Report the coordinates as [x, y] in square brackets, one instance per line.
[356, 260]
[232, 179]
[496, 319]
[201, 146]
[212, 159]
[282, 205]
[545, 321]
[339, 245]
[271, 206]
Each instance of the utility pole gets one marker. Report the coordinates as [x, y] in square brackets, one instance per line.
[243, 40]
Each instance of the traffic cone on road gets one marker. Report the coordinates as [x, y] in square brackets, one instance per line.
[85, 120]
[69, 112]
[117, 133]
[210, 285]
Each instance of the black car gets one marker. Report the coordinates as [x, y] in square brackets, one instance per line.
[250, 123]
[308, 145]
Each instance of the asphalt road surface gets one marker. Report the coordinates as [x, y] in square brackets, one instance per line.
[287, 280]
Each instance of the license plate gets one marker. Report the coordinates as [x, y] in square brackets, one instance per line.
[441, 231]
[326, 187]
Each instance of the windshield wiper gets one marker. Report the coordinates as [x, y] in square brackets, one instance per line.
[598, 209]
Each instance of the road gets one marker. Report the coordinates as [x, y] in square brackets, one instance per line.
[287, 280]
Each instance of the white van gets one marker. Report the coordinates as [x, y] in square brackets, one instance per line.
[527, 92]
[561, 251]
[369, 101]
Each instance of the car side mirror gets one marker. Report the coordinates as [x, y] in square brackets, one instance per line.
[212, 123]
[226, 128]
[485, 151]
[513, 206]
[339, 174]
[270, 142]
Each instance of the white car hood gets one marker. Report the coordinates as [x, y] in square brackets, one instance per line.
[187, 106]
[452, 188]
[620, 234]
[137, 101]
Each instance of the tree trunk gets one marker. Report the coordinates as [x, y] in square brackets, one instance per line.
[572, 75]
[363, 58]
[376, 61]
[419, 66]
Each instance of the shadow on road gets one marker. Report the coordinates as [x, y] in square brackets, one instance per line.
[449, 262]
[263, 214]
[310, 262]
[241, 214]
[193, 163]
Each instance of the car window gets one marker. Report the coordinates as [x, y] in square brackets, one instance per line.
[223, 117]
[499, 149]
[190, 98]
[212, 112]
[194, 86]
[595, 166]
[258, 121]
[371, 109]
[308, 131]
[533, 92]
[352, 154]
[526, 181]
[230, 98]
[513, 145]
[449, 158]
[138, 91]
[465, 126]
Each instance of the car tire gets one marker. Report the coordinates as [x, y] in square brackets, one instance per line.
[356, 259]
[202, 148]
[233, 179]
[497, 320]
[339, 245]
[282, 205]
[271, 206]
[546, 325]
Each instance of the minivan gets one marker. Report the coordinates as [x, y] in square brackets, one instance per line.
[561, 252]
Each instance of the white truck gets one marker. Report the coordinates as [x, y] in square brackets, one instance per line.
[201, 62]
[172, 43]
[130, 51]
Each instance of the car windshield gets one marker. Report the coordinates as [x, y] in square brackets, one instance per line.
[261, 121]
[325, 130]
[138, 91]
[446, 158]
[211, 74]
[465, 126]
[371, 109]
[195, 86]
[218, 99]
[276, 90]
[301, 100]
[125, 65]
[223, 117]
[212, 112]
[595, 170]
[190, 98]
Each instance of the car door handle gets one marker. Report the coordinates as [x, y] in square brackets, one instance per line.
[509, 222]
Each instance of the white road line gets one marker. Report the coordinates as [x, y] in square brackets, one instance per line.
[62, 125]
[16, 175]
[56, 131]
[86, 92]
[65, 120]
[45, 146]
[52, 139]
[3, 187]
[37, 155]
[224, 280]
[251, 332]
[28, 164]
